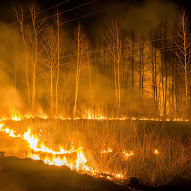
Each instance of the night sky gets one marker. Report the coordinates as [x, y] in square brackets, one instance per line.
[137, 15]
[7, 7]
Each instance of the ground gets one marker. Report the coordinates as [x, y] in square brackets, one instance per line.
[29, 175]
[26, 174]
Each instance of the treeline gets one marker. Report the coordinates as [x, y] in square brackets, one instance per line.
[119, 73]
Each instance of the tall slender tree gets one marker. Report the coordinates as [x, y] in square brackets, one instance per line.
[114, 41]
[80, 48]
[183, 53]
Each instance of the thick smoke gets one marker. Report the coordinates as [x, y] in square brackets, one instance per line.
[136, 16]
[10, 51]
[148, 14]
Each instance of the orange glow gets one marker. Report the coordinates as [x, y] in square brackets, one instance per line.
[109, 150]
[39, 151]
[128, 154]
[73, 158]
[87, 115]
[40, 147]
[156, 152]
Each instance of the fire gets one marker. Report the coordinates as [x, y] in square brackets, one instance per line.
[92, 115]
[1, 125]
[108, 177]
[87, 115]
[109, 150]
[57, 161]
[156, 152]
[39, 151]
[128, 154]
[119, 176]
[34, 157]
[73, 158]
[8, 131]
[33, 141]
[81, 160]
[40, 147]
[16, 118]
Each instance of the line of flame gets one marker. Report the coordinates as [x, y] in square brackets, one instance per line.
[37, 147]
[17, 117]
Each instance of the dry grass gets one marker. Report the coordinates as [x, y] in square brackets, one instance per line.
[171, 165]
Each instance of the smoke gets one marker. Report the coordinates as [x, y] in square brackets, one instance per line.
[148, 14]
[101, 87]
[137, 16]
[10, 99]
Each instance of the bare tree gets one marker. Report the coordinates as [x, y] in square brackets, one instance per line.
[153, 58]
[50, 55]
[113, 39]
[34, 39]
[89, 71]
[141, 67]
[132, 56]
[58, 61]
[80, 48]
[24, 36]
[183, 53]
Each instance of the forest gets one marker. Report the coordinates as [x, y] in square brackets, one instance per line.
[118, 73]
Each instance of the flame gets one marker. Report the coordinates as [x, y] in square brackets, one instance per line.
[1, 125]
[128, 154]
[16, 118]
[73, 158]
[39, 151]
[34, 157]
[8, 131]
[156, 152]
[87, 115]
[119, 176]
[109, 150]
[57, 161]
[40, 147]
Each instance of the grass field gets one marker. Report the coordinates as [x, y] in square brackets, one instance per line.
[156, 153]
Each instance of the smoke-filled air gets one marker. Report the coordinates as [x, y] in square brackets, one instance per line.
[106, 93]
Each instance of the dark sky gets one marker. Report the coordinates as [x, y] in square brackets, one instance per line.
[142, 11]
[7, 6]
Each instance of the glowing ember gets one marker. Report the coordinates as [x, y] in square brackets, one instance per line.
[156, 152]
[109, 150]
[128, 154]
[119, 176]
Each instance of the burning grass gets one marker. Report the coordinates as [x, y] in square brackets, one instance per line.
[111, 149]
[150, 154]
